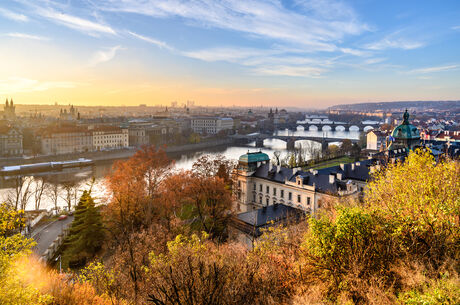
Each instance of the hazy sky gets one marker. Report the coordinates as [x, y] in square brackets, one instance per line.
[306, 53]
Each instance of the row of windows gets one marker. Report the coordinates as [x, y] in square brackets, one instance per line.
[274, 191]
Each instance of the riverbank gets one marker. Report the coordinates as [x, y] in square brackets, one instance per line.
[113, 154]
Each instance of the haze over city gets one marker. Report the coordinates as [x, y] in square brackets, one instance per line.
[245, 53]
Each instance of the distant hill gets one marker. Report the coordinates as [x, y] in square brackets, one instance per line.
[395, 106]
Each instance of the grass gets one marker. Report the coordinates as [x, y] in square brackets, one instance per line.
[333, 162]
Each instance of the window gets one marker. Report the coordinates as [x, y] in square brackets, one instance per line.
[299, 199]
[260, 188]
[239, 183]
[268, 189]
[290, 196]
[268, 200]
[253, 197]
[282, 193]
[260, 199]
[308, 200]
[255, 185]
[274, 191]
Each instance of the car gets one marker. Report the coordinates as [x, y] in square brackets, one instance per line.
[62, 217]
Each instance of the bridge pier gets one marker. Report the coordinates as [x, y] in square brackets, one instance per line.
[324, 146]
[290, 144]
[259, 142]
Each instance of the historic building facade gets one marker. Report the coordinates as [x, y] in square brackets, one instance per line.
[260, 184]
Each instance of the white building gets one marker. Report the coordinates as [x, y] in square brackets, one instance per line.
[376, 140]
[259, 183]
[109, 137]
[211, 125]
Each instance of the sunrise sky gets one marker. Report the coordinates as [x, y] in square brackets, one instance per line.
[247, 53]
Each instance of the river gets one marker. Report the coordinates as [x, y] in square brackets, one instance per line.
[79, 179]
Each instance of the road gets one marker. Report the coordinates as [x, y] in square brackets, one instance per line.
[45, 236]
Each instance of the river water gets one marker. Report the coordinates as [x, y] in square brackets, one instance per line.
[79, 179]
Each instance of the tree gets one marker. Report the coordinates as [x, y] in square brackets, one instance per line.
[420, 198]
[346, 145]
[41, 186]
[210, 202]
[86, 233]
[20, 194]
[14, 246]
[276, 157]
[70, 190]
[210, 166]
[53, 193]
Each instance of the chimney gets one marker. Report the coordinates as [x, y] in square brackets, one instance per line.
[331, 179]
[342, 166]
[339, 176]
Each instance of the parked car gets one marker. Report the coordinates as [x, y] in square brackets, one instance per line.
[62, 217]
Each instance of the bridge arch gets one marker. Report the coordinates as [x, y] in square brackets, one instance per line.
[354, 128]
[326, 128]
[340, 128]
[368, 128]
[312, 125]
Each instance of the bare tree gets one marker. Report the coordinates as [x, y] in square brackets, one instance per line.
[69, 193]
[19, 195]
[40, 188]
[53, 194]
[276, 157]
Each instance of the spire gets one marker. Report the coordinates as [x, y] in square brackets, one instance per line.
[6, 103]
[11, 102]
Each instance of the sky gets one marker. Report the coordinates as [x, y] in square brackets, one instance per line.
[299, 53]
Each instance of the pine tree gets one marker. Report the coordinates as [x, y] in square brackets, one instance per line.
[86, 233]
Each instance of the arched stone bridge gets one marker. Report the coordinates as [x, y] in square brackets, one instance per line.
[290, 140]
[333, 125]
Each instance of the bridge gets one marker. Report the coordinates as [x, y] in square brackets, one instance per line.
[320, 124]
[290, 140]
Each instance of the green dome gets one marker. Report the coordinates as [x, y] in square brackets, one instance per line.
[406, 130]
[254, 157]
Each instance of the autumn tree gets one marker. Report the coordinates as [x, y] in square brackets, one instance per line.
[420, 198]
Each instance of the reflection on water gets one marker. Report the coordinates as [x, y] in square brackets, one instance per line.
[82, 177]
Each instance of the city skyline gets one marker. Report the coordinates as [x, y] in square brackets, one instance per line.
[307, 54]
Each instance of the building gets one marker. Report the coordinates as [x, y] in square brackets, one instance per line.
[65, 140]
[109, 137]
[260, 184]
[211, 125]
[376, 140]
[448, 136]
[405, 135]
[9, 110]
[10, 141]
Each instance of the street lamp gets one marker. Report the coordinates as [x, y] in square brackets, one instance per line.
[60, 262]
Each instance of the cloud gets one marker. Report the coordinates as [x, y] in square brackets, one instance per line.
[227, 54]
[44, 10]
[302, 71]
[156, 42]
[372, 61]
[104, 55]
[456, 27]
[19, 84]
[434, 69]
[26, 36]
[354, 52]
[391, 42]
[258, 18]
[13, 16]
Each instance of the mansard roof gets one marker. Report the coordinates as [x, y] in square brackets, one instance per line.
[320, 178]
